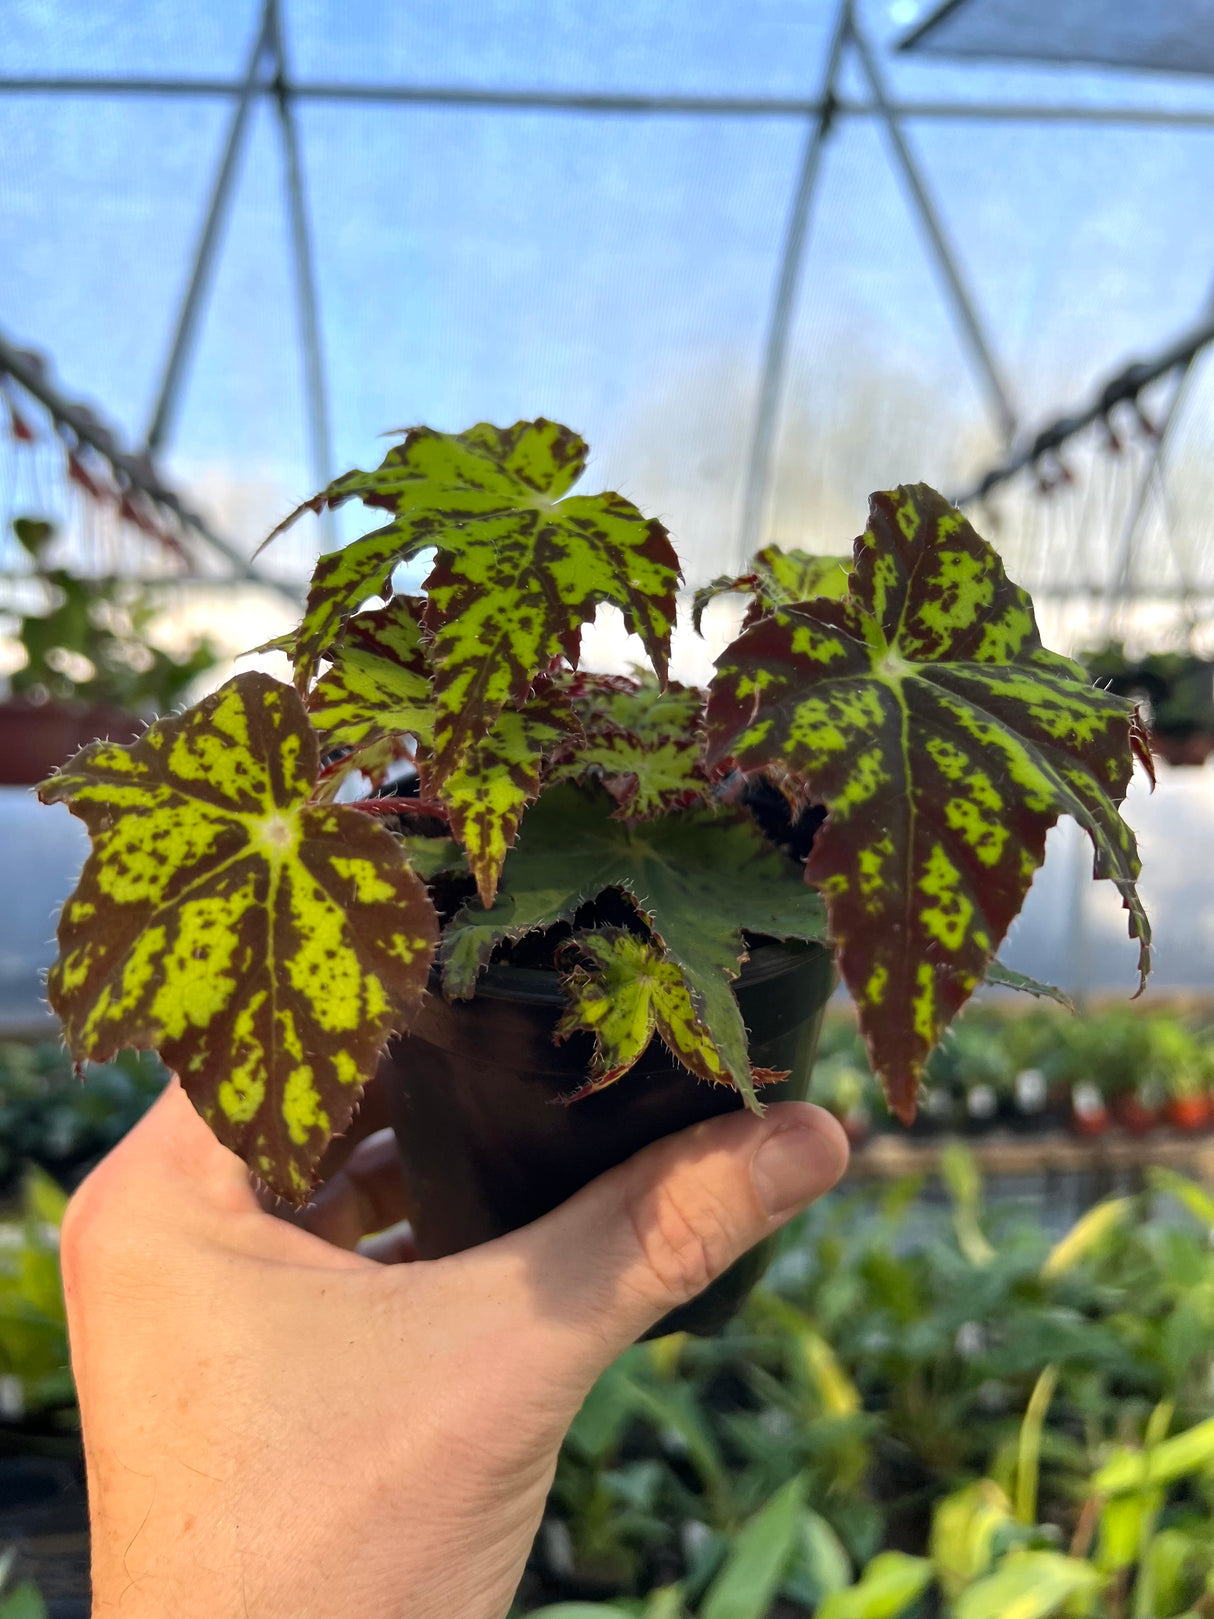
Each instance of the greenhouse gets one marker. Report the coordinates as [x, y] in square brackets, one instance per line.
[765, 652]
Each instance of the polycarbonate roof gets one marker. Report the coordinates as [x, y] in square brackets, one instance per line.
[562, 207]
[1166, 36]
[612, 265]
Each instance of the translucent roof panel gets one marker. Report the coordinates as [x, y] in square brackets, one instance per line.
[614, 269]
[768, 47]
[48, 37]
[100, 203]
[569, 208]
[1166, 36]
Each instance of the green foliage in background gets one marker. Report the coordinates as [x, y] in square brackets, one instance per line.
[997, 1064]
[21, 1601]
[91, 644]
[51, 1117]
[932, 1409]
[1176, 688]
[928, 1410]
[35, 1373]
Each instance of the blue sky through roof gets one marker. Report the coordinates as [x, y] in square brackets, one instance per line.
[615, 271]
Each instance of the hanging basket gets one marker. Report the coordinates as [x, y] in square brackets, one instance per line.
[1176, 691]
[35, 738]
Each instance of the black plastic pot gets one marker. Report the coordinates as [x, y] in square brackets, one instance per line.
[487, 1145]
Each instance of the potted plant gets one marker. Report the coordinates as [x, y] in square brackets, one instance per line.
[1176, 690]
[585, 886]
[1181, 1067]
[89, 670]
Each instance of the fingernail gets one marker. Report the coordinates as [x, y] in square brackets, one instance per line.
[786, 1171]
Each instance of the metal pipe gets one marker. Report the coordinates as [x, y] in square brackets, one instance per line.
[316, 402]
[1153, 474]
[1125, 386]
[590, 101]
[131, 471]
[187, 318]
[967, 313]
[775, 354]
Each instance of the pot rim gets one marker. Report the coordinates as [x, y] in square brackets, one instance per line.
[541, 986]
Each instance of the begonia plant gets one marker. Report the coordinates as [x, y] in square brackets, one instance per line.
[266, 934]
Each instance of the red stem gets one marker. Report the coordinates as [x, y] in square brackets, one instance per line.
[401, 806]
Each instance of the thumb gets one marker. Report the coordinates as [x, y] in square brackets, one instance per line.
[652, 1233]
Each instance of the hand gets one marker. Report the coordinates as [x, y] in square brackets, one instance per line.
[280, 1428]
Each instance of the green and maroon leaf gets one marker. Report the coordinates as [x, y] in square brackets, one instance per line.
[265, 946]
[624, 991]
[642, 743]
[378, 682]
[279, 643]
[796, 576]
[499, 774]
[945, 741]
[432, 857]
[518, 570]
[374, 760]
[1009, 978]
[697, 879]
[777, 579]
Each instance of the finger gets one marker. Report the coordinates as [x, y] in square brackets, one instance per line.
[653, 1233]
[395, 1246]
[366, 1195]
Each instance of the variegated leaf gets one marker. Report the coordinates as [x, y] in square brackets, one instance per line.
[374, 760]
[777, 579]
[499, 774]
[642, 743]
[521, 565]
[265, 946]
[432, 857]
[698, 880]
[945, 741]
[625, 991]
[1009, 978]
[378, 682]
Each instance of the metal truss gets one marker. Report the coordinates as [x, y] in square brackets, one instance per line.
[1123, 388]
[439, 95]
[266, 75]
[780, 324]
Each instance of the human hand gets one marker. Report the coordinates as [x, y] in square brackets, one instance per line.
[277, 1427]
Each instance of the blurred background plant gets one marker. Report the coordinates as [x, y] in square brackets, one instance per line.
[61, 1122]
[923, 1412]
[1175, 690]
[35, 1375]
[90, 640]
[1038, 1070]
[930, 1408]
[18, 1600]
